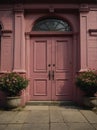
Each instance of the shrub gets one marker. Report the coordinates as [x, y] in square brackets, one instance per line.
[12, 83]
[87, 82]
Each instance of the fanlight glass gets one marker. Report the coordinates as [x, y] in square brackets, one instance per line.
[52, 24]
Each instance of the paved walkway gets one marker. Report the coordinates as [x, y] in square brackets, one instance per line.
[48, 118]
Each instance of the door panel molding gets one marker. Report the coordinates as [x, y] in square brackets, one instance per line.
[40, 57]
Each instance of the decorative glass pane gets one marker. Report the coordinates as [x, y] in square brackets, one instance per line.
[52, 24]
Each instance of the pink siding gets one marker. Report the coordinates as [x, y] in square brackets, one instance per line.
[6, 54]
[6, 19]
[88, 42]
[6, 40]
[92, 41]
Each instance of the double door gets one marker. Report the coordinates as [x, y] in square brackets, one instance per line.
[51, 68]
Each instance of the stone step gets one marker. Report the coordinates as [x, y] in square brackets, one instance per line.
[51, 103]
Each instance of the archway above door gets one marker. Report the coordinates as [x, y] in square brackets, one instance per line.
[52, 24]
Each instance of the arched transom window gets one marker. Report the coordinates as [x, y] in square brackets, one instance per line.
[52, 24]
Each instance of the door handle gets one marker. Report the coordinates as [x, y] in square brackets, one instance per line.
[49, 75]
[53, 75]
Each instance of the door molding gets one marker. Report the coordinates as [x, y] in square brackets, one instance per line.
[50, 72]
[49, 34]
[76, 53]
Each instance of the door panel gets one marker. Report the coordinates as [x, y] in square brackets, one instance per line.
[40, 87]
[62, 59]
[40, 58]
[61, 54]
[51, 68]
[61, 87]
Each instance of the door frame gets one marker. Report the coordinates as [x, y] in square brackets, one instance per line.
[75, 49]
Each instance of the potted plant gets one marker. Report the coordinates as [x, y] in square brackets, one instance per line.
[11, 84]
[87, 82]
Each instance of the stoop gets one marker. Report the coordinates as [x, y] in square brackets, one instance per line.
[51, 103]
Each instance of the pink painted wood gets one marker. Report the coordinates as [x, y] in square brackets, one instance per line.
[51, 68]
[62, 66]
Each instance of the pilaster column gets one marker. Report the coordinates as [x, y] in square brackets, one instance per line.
[75, 52]
[27, 37]
[19, 41]
[27, 40]
[83, 38]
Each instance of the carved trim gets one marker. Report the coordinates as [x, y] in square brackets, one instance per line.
[93, 32]
[84, 8]
[6, 33]
[40, 33]
[18, 8]
[3, 72]
[19, 71]
[82, 70]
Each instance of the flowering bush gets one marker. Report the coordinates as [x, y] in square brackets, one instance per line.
[12, 83]
[87, 81]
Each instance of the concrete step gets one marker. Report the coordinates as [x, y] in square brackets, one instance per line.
[51, 103]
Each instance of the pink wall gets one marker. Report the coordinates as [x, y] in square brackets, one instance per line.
[88, 42]
[6, 40]
[15, 45]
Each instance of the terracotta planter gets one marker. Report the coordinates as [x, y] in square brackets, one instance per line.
[90, 101]
[13, 102]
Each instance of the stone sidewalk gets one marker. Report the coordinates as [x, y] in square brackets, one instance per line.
[48, 118]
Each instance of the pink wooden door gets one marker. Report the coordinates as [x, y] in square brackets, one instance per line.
[51, 70]
[62, 69]
[40, 69]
